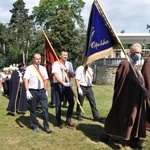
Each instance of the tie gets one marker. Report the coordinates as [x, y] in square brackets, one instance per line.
[39, 83]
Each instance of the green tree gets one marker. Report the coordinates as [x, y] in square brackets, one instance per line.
[6, 40]
[3, 40]
[64, 36]
[79, 46]
[37, 44]
[60, 19]
[21, 25]
[62, 31]
[48, 9]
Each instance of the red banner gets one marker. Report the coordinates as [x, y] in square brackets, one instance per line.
[49, 58]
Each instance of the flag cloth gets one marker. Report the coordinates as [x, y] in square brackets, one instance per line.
[100, 40]
[49, 58]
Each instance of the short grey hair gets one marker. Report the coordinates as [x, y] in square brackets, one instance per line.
[135, 45]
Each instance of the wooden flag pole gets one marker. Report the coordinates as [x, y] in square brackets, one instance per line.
[49, 44]
[73, 91]
[63, 70]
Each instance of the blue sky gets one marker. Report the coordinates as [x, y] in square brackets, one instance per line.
[129, 15]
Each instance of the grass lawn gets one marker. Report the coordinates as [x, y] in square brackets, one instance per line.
[15, 132]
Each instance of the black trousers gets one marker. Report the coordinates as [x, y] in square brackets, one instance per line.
[41, 97]
[88, 93]
[60, 91]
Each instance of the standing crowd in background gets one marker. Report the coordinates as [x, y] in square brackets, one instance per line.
[5, 76]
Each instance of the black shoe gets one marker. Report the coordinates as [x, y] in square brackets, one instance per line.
[79, 118]
[135, 143]
[35, 130]
[11, 114]
[48, 130]
[64, 106]
[52, 105]
[99, 119]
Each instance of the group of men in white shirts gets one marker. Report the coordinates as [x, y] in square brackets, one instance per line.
[35, 82]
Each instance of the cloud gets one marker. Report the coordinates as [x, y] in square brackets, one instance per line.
[6, 5]
[132, 16]
[31, 3]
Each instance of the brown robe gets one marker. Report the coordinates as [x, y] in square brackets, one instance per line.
[146, 73]
[146, 76]
[127, 116]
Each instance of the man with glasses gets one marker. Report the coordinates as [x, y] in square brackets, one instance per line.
[127, 116]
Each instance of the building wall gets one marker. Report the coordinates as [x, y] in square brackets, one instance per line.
[105, 71]
[104, 75]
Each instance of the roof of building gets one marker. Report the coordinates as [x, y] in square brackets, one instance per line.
[131, 38]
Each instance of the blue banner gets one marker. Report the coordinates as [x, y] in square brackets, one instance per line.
[99, 38]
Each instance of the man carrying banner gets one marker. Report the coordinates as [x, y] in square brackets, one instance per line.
[83, 79]
[62, 73]
[35, 80]
[127, 116]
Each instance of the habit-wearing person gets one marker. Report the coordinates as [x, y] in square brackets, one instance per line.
[83, 79]
[35, 80]
[146, 72]
[127, 116]
[17, 98]
[146, 75]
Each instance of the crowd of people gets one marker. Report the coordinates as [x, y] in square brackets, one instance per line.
[27, 86]
[5, 76]
[128, 117]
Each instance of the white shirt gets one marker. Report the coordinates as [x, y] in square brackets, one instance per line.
[56, 68]
[32, 77]
[85, 79]
[3, 76]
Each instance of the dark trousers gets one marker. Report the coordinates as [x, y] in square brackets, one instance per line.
[53, 97]
[88, 93]
[39, 96]
[60, 92]
[6, 87]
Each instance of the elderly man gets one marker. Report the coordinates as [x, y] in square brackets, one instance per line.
[127, 116]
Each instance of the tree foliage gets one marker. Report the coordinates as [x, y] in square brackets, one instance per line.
[62, 21]
[3, 43]
[48, 9]
[21, 25]
[62, 31]
[64, 36]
